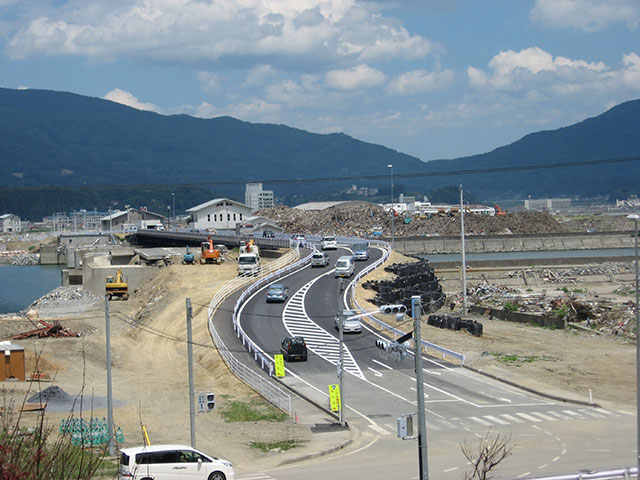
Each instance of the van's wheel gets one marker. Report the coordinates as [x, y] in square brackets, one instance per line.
[217, 476]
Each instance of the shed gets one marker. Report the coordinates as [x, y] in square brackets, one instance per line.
[12, 363]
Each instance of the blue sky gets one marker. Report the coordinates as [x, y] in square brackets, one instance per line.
[431, 78]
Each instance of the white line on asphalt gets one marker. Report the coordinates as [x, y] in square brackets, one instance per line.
[377, 428]
[375, 372]
[381, 364]
[529, 417]
[450, 469]
[496, 419]
[429, 371]
[543, 466]
[555, 459]
[480, 421]
[524, 474]
[511, 418]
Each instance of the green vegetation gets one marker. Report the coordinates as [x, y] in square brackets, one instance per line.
[575, 290]
[253, 411]
[511, 307]
[561, 312]
[281, 445]
[507, 358]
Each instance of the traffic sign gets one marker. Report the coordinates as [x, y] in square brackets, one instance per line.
[334, 398]
[279, 361]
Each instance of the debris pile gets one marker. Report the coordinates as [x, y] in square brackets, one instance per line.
[416, 278]
[456, 324]
[19, 258]
[362, 219]
[63, 301]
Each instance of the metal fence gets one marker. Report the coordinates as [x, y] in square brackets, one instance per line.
[427, 346]
[625, 473]
[272, 270]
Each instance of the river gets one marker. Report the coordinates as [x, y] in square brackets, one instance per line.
[21, 285]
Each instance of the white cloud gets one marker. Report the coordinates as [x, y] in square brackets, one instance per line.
[420, 81]
[315, 32]
[533, 67]
[258, 74]
[254, 110]
[586, 15]
[126, 98]
[361, 76]
[630, 75]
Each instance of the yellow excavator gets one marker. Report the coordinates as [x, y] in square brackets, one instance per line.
[116, 287]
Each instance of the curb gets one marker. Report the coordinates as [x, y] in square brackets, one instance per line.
[532, 390]
[318, 454]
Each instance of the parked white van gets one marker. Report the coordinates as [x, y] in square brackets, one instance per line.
[171, 462]
[344, 266]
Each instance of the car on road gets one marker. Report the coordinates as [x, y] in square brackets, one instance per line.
[350, 325]
[344, 267]
[294, 348]
[299, 237]
[171, 462]
[328, 242]
[268, 234]
[277, 293]
[319, 259]
[360, 251]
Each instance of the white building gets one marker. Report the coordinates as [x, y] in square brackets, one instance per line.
[123, 220]
[10, 223]
[256, 198]
[219, 214]
[546, 204]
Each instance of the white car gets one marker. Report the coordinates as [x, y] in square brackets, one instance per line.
[350, 325]
[329, 243]
[344, 267]
[319, 259]
[171, 462]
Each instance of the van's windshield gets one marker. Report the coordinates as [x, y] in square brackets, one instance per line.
[342, 264]
[248, 260]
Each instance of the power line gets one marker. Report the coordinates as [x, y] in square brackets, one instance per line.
[471, 171]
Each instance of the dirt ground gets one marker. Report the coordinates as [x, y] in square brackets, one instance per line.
[150, 383]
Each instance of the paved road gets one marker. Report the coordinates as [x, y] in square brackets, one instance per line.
[549, 436]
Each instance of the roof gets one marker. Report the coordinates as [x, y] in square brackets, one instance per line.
[7, 215]
[215, 201]
[7, 345]
[114, 215]
[325, 205]
[155, 448]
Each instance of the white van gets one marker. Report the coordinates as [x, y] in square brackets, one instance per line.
[171, 462]
[328, 243]
[344, 267]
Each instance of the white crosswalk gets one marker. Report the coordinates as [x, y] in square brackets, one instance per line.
[318, 340]
[504, 419]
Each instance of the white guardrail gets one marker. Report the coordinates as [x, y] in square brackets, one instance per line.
[427, 346]
[268, 272]
[625, 473]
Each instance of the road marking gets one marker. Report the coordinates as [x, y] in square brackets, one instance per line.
[375, 372]
[429, 371]
[555, 459]
[558, 414]
[545, 417]
[496, 419]
[529, 417]
[450, 469]
[480, 421]
[573, 414]
[378, 429]
[543, 466]
[524, 474]
[511, 418]
[382, 364]
[592, 413]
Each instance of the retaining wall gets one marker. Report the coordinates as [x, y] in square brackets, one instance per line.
[520, 317]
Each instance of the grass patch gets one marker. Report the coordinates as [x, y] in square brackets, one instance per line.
[504, 358]
[511, 307]
[253, 411]
[282, 445]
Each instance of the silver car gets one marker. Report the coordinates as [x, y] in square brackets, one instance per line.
[351, 325]
[319, 259]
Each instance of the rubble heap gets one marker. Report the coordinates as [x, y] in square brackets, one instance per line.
[360, 219]
[411, 279]
[63, 301]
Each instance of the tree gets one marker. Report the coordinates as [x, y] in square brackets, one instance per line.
[485, 454]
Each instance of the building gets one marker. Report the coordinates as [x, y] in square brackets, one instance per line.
[10, 223]
[257, 226]
[256, 198]
[12, 363]
[125, 220]
[546, 204]
[219, 214]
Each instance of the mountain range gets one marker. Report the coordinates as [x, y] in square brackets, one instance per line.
[92, 147]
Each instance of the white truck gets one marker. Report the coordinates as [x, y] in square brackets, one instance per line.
[249, 259]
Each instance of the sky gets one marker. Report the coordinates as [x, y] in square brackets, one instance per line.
[431, 78]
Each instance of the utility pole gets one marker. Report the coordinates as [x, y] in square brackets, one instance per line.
[109, 393]
[416, 307]
[173, 199]
[192, 411]
[464, 263]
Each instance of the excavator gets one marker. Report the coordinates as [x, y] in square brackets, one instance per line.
[188, 258]
[499, 211]
[209, 254]
[116, 287]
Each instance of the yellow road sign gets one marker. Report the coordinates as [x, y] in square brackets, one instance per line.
[279, 361]
[334, 397]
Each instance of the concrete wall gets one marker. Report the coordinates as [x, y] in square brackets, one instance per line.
[95, 271]
[520, 317]
[515, 243]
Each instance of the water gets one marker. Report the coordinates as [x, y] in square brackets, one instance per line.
[20, 286]
[604, 252]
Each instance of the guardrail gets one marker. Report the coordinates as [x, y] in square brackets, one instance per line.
[273, 393]
[625, 473]
[427, 346]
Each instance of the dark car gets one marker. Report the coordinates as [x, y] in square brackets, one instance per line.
[268, 234]
[277, 293]
[294, 348]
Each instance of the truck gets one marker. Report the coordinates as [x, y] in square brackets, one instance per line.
[116, 287]
[249, 259]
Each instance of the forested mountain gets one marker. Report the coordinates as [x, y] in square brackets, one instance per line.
[62, 139]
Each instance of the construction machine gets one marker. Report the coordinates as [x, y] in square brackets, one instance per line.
[116, 287]
[499, 211]
[188, 258]
[208, 253]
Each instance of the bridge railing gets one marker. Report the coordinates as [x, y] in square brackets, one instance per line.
[427, 346]
[625, 473]
[273, 393]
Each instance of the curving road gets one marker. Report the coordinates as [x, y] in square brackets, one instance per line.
[550, 436]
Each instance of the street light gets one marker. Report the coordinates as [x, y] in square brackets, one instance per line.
[173, 199]
[393, 213]
[635, 217]
[464, 263]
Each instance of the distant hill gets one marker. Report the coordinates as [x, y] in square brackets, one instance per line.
[62, 139]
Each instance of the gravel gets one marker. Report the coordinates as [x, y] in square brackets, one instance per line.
[64, 301]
